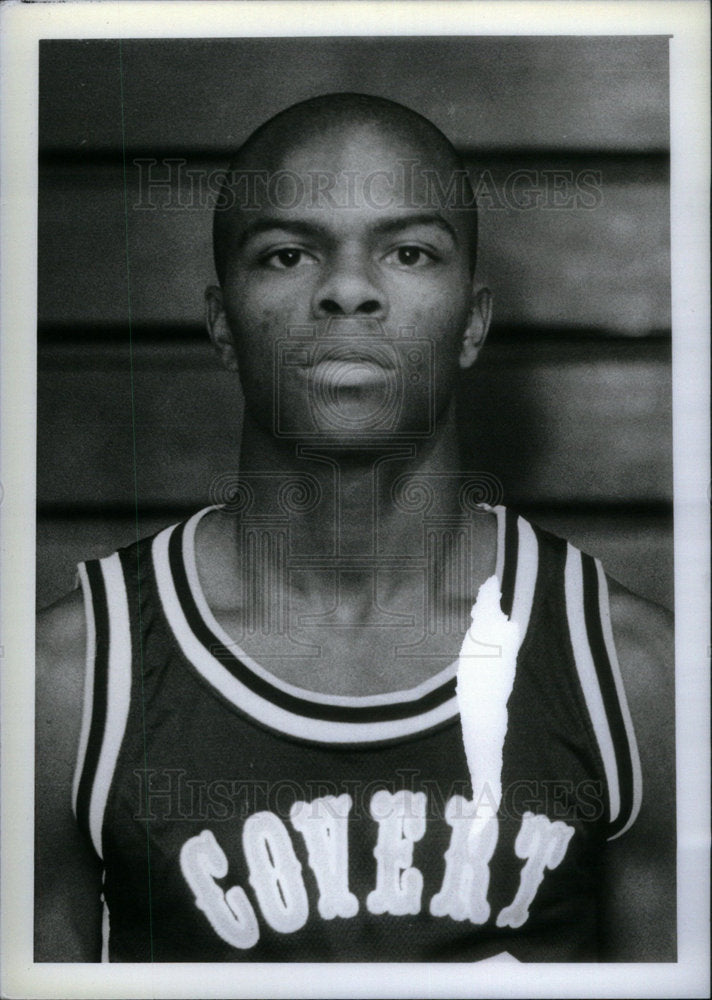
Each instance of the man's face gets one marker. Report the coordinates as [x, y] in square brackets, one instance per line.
[347, 292]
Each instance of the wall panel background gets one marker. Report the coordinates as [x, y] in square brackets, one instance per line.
[569, 407]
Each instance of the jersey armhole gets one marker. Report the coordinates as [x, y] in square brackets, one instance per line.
[107, 691]
[591, 634]
[82, 581]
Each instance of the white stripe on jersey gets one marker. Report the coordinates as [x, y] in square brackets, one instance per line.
[587, 675]
[525, 580]
[604, 605]
[501, 513]
[88, 683]
[118, 693]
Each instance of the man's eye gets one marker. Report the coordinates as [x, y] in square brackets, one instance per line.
[410, 256]
[285, 258]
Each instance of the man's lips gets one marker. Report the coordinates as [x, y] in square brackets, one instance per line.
[350, 371]
[378, 353]
[344, 365]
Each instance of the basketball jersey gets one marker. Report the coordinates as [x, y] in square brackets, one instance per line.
[241, 818]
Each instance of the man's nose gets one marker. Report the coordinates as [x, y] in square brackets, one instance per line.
[349, 288]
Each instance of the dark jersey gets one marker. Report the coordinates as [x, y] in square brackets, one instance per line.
[242, 818]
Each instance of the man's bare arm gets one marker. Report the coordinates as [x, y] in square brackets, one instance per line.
[639, 917]
[67, 871]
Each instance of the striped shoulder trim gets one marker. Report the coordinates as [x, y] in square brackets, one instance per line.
[107, 691]
[517, 567]
[599, 673]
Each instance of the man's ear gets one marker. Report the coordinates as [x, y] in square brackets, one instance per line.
[476, 330]
[218, 327]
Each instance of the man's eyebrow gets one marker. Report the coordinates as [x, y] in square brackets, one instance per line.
[268, 223]
[310, 228]
[398, 223]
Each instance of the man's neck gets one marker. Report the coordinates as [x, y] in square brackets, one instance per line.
[350, 553]
[362, 498]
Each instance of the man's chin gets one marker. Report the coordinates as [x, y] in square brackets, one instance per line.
[351, 444]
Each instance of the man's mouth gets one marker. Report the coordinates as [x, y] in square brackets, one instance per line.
[350, 371]
[345, 365]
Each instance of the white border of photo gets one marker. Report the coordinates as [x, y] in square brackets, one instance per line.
[21, 27]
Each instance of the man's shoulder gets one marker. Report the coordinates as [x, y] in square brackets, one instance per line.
[638, 893]
[61, 626]
[60, 660]
[636, 614]
[642, 630]
[141, 538]
[643, 634]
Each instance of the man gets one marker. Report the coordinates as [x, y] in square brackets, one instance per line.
[348, 715]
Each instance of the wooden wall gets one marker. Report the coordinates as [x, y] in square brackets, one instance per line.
[570, 406]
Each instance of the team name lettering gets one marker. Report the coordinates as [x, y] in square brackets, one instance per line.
[401, 821]
[543, 844]
[324, 825]
[463, 895]
[230, 913]
[275, 872]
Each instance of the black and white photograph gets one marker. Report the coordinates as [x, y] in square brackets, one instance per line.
[361, 498]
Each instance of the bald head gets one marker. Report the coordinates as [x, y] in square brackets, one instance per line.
[305, 157]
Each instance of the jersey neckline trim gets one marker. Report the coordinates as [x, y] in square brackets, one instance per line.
[282, 706]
